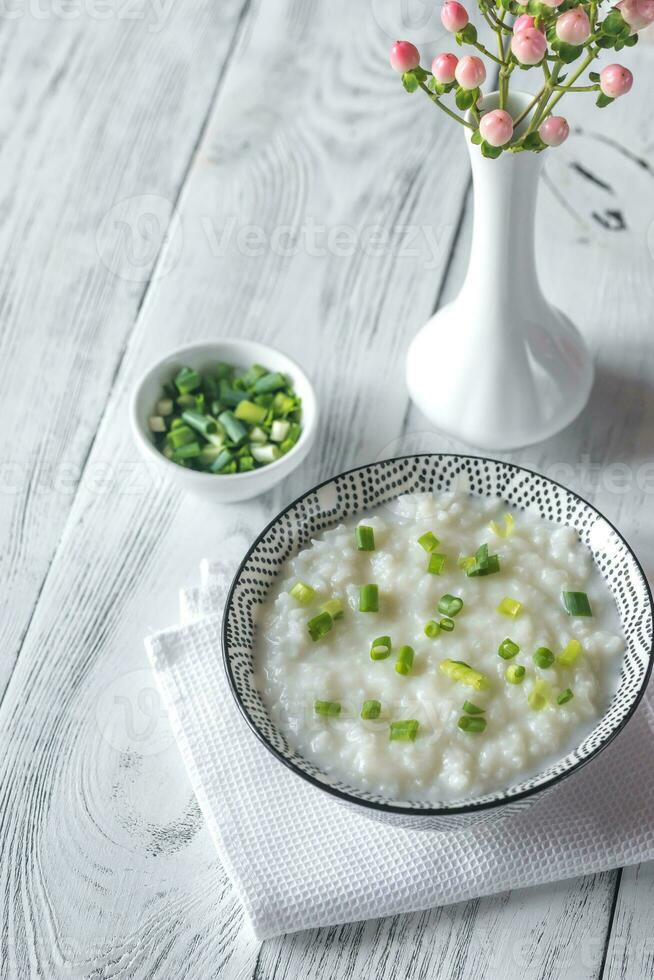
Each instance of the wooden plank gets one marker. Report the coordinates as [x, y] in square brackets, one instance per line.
[630, 950]
[100, 116]
[531, 933]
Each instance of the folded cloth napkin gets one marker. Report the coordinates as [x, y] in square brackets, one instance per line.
[298, 859]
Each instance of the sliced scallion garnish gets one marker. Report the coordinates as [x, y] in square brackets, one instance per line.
[371, 710]
[509, 607]
[570, 654]
[543, 658]
[334, 607]
[446, 624]
[515, 673]
[539, 696]
[380, 648]
[472, 709]
[508, 649]
[368, 599]
[428, 541]
[403, 731]
[463, 673]
[576, 603]
[472, 725]
[565, 696]
[450, 605]
[404, 662]
[436, 563]
[432, 629]
[320, 626]
[303, 593]
[328, 709]
[365, 538]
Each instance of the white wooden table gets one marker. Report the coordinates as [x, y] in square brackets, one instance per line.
[302, 199]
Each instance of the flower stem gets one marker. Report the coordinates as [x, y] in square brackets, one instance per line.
[434, 98]
[484, 50]
[592, 54]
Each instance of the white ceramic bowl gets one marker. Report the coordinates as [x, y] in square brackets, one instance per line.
[242, 353]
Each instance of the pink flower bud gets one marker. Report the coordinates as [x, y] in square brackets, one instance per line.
[554, 130]
[496, 127]
[522, 22]
[637, 13]
[454, 16]
[615, 81]
[404, 56]
[444, 67]
[573, 26]
[529, 46]
[470, 72]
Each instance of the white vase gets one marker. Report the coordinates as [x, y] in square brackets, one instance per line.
[500, 367]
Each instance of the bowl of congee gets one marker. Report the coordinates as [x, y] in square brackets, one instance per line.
[438, 640]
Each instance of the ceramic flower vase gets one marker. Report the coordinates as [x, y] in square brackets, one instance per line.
[501, 367]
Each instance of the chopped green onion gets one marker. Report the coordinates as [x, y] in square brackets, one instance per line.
[234, 428]
[507, 530]
[509, 607]
[334, 607]
[508, 649]
[569, 656]
[229, 396]
[245, 464]
[428, 541]
[270, 382]
[177, 423]
[265, 454]
[320, 626]
[490, 566]
[432, 629]
[515, 673]
[466, 563]
[156, 423]
[249, 412]
[180, 436]
[565, 696]
[368, 599]
[257, 434]
[459, 671]
[223, 371]
[209, 455]
[222, 461]
[365, 538]
[185, 401]
[188, 451]
[328, 709]
[436, 563]
[539, 695]
[403, 731]
[450, 605]
[472, 709]
[282, 404]
[446, 624]
[380, 648]
[303, 593]
[404, 661]
[187, 380]
[165, 406]
[279, 430]
[371, 710]
[203, 424]
[471, 725]
[576, 603]
[543, 658]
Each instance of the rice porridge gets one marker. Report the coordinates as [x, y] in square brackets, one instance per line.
[438, 648]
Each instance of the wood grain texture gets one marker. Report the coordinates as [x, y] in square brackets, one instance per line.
[106, 867]
[100, 115]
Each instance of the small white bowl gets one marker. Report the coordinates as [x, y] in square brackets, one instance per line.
[242, 353]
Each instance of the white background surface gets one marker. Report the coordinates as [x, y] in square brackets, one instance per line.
[231, 116]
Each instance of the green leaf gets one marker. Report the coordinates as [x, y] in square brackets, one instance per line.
[614, 24]
[493, 152]
[533, 142]
[569, 52]
[476, 137]
[469, 34]
[631, 40]
[464, 98]
[604, 41]
[594, 76]
[435, 86]
[534, 7]
[409, 81]
[603, 100]
[421, 74]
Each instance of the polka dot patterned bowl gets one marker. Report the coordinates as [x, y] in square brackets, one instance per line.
[379, 483]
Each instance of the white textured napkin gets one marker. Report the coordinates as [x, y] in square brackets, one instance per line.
[299, 859]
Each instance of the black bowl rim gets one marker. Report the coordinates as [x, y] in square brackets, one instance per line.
[466, 808]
